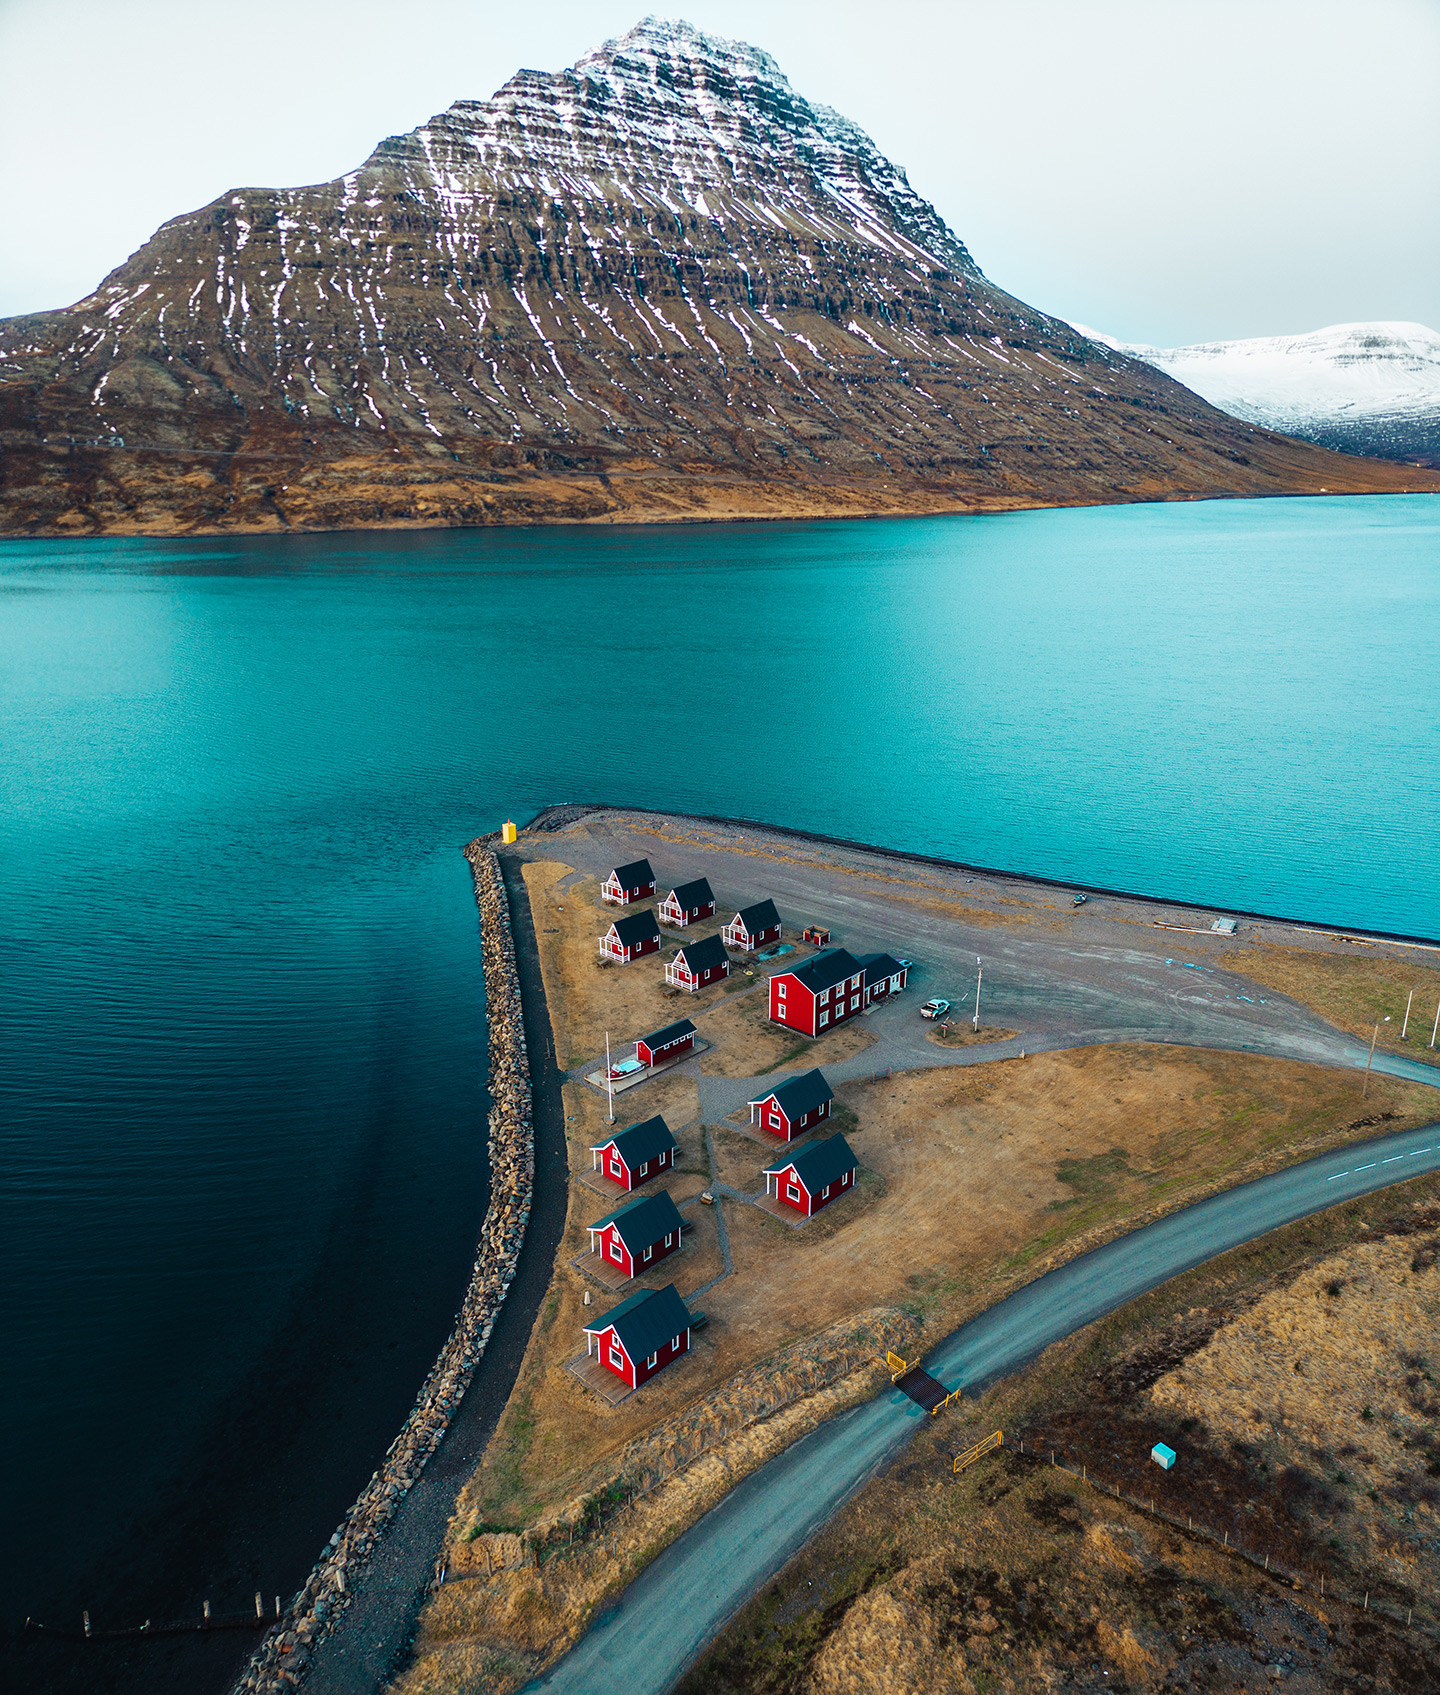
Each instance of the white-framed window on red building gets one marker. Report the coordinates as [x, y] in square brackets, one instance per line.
[792, 1191]
[780, 991]
[617, 1359]
[615, 1253]
[824, 1017]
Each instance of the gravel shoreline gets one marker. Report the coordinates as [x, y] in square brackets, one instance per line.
[281, 1660]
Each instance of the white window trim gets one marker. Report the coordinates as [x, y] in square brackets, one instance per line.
[669, 1238]
[617, 1359]
[824, 1018]
[650, 1363]
[780, 991]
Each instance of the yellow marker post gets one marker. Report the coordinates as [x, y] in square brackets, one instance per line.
[508, 832]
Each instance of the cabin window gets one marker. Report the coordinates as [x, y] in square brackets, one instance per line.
[775, 1119]
[780, 990]
[792, 1191]
[648, 1252]
[824, 996]
[854, 1002]
[825, 1191]
[645, 1167]
[675, 1343]
[617, 1359]
[615, 1252]
[650, 1361]
[824, 1018]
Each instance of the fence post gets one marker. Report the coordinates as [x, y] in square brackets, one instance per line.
[206, 1606]
[86, 1617]
[259, 1607]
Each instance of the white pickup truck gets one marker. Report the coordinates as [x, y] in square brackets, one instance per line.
[934, 1009]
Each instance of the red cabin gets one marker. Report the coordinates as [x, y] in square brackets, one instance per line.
[661, 1046]
[631, 938]
[628, 883]
[753, 927]
[701, 963]
[687, 903]
[813, 1177]
[794, 1107]
[638, 1235]
[634, 1156]
[642, 1335]
[822, 992]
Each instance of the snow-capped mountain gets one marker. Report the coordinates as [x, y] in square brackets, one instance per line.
[1361, 388]
[660, 283]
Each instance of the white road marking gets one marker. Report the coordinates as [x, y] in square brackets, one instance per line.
[1337, 1174]
[1392, 1159]
[1373, 1163]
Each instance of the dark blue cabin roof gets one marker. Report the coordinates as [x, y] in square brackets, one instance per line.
[635, 875]
[643, 1223]
[801, 1094]
[704, 955]
[761, 916]
[640, 1142]
[819, 1163]
[636, 927]
[675, 1032]
[694, 894]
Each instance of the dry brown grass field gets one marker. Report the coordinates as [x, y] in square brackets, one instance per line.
[1021, 1576]
[1355, 991]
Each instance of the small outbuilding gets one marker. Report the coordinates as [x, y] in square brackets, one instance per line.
[687, 903]
[814, 1176]
[794, 1107]
[638, 1235]
[884, 976]
[642, 1335]
[822, 992]
[661, 1046]
[635, 1155]
[699, 964]
[631, 937]
[627, 883]
[753, 927]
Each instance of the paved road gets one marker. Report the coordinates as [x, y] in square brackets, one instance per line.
[679, 1603]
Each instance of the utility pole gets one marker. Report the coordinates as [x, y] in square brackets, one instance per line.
[609, 1080]
[1406, 1025]
[1366, 1090]
[979, 973]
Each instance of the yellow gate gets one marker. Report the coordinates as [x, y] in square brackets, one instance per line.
[970, 1455]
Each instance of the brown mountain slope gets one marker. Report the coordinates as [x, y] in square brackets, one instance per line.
[657, 285]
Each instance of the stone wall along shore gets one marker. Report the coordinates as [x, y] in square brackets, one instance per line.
[281, 1660]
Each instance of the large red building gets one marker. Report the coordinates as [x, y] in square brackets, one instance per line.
[642, 1335]
[639, 1235]
[661, 1046]
[819, 994]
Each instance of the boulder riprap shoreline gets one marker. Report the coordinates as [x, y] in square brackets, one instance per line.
[282, 1658]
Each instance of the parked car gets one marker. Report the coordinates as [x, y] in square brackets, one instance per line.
[934, 1009]
[906, 964]
[1081, 899]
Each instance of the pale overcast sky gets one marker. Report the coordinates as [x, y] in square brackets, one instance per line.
[1165, 171]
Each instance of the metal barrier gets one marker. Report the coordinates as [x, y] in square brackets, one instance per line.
[969, 1457]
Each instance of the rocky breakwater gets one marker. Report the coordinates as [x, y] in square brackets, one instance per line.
[281, 1660]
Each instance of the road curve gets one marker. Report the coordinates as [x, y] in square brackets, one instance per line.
[685, 1596]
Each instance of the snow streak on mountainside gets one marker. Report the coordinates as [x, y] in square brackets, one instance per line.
[657, 284]
[1361, 388]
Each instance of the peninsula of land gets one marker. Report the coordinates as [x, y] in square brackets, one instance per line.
[1139, 1061]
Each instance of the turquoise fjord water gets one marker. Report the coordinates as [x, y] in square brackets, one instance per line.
[243, 1042]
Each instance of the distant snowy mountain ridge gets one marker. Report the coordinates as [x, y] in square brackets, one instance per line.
[1362, 388]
